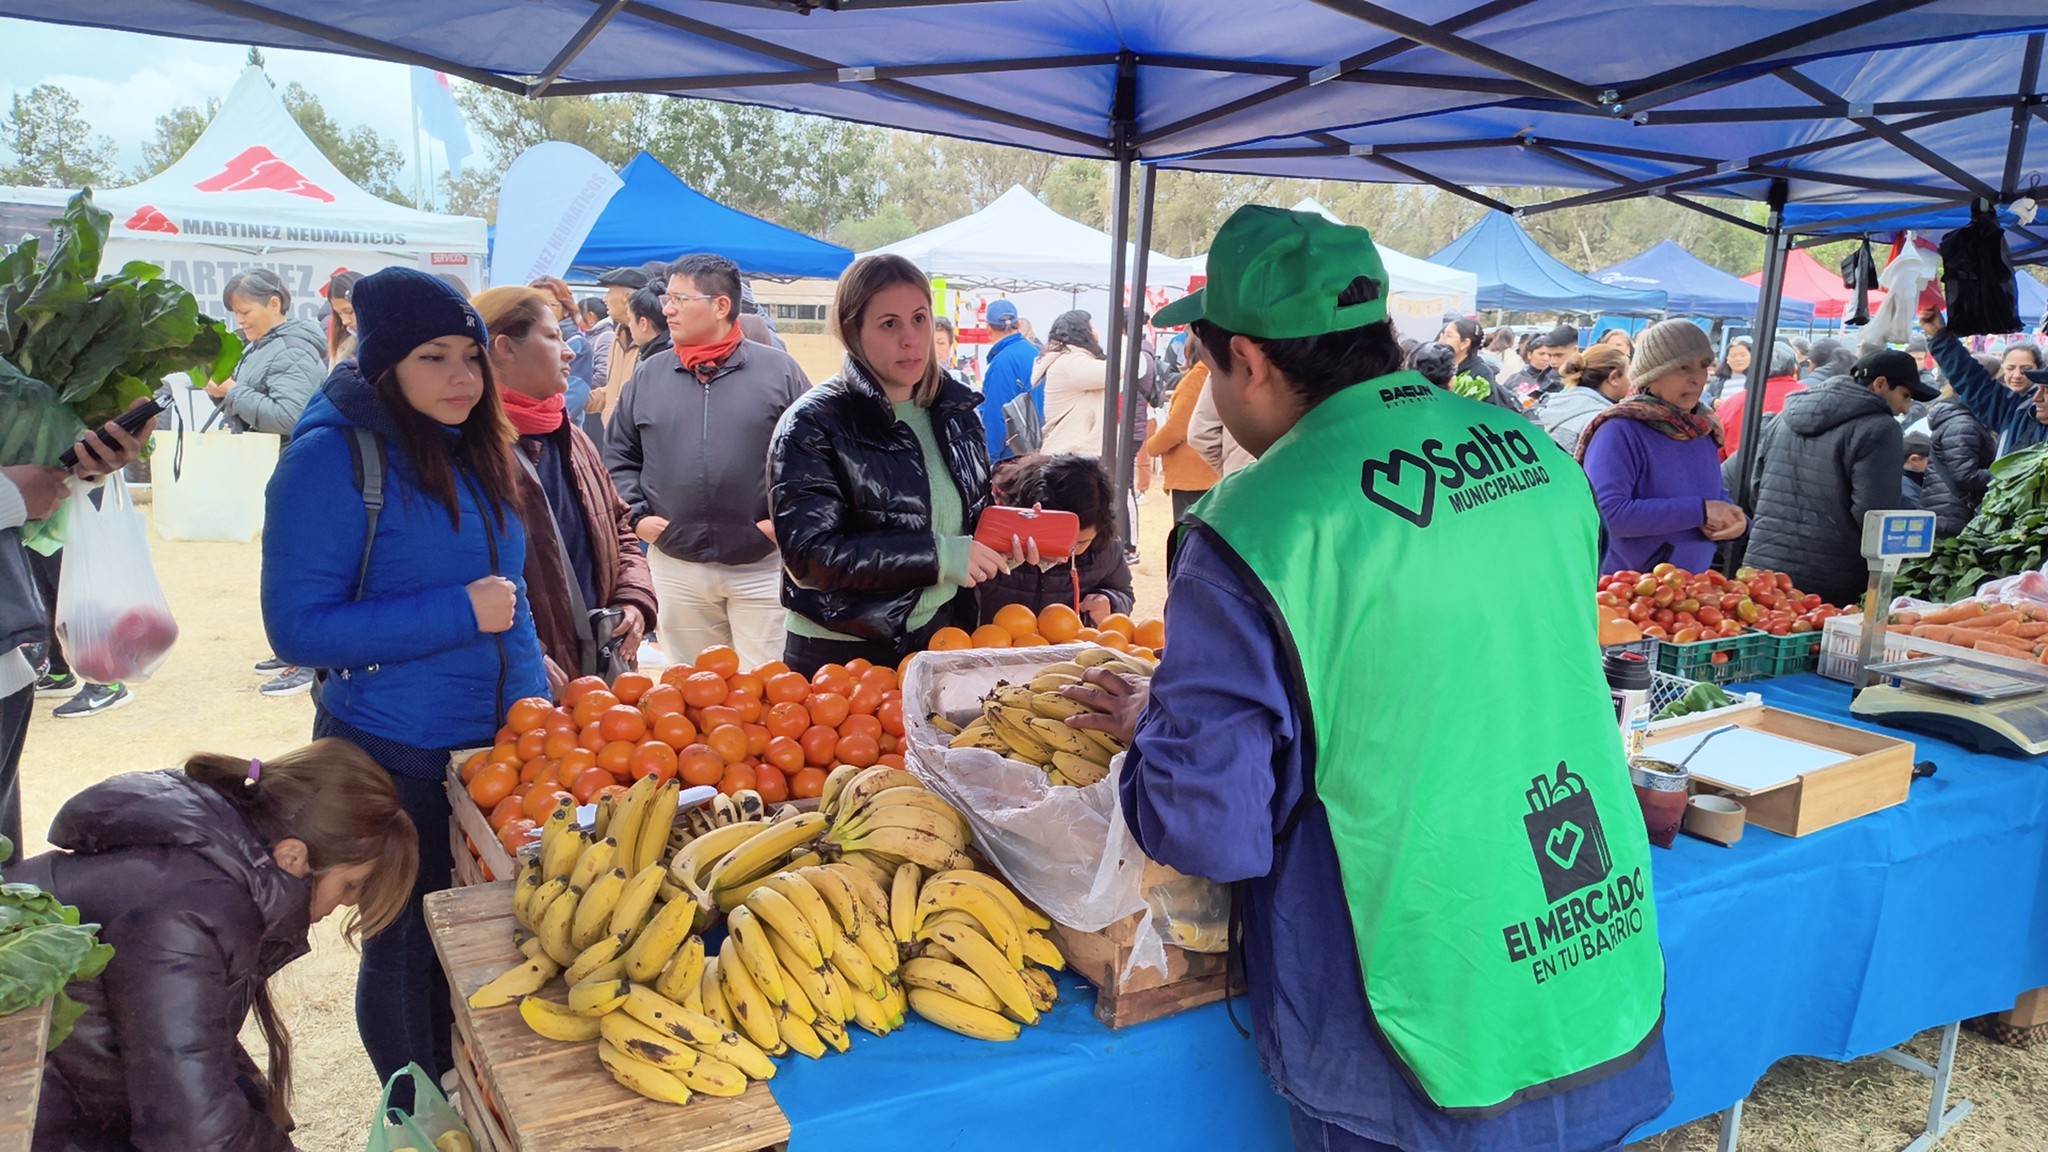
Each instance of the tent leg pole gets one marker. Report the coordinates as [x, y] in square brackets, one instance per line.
[1124, 461]
[1120, 239]
[1776, 249]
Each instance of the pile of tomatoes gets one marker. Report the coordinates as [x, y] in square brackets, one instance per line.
[1669, 603]
[770, 730]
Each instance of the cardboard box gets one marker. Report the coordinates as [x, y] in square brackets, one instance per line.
[1873, 779]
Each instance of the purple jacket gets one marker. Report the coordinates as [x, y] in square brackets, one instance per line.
[1652, 492]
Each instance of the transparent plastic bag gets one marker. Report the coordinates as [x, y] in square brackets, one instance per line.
[1065, 849]
[2025, 589]
[112, 618]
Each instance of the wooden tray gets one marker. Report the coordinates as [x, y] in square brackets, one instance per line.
[1191, 979]
[22, 1039]
[1873, 779]
[479, 857]
[554, 1097]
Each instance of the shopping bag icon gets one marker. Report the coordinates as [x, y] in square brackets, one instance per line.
[1565, 834]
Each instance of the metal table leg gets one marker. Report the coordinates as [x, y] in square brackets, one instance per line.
[1731, 1128]
[1940, 1117]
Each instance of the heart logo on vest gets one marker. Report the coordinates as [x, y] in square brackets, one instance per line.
[1403, 484]
[1563, 845]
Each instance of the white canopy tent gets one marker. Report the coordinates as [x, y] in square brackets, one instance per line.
[1422, 293]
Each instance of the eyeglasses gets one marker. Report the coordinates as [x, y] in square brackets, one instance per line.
[668, 296]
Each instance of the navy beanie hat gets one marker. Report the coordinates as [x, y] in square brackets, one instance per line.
[399, 309]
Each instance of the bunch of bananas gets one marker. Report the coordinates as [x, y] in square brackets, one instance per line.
[723, 810]
[882, 818]
[976, 957]
[1028, 722]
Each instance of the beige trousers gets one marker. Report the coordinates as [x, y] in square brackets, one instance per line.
[705, 604]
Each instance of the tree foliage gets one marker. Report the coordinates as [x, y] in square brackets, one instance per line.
[52, 145]
[370, 160]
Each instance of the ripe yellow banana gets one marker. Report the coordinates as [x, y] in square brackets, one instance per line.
[1079, 771]
[809, 996]
[637, 899]
[1102, 740]
[853, 966]
[839, 897]
[939, 721]
[678, 981]
[835, 782]
[1042, 951]
[930, 850]
[751, 941]
[528, 944]
[641, 1076]
[708, 1036]
[600, 826]
[1095, 657]
[689, 865]
[996, 922]
[1047, 683]
[711, 997]
[780, 914]
[556, 1021]
[810, 905]
[832, 1031]
[763, 853]
[903, 893]
[597, 997]
[651, 950]
[1009, 725]
[842, 991]
[653, 1045]
[868, 887]
[1021, 912]
[751, 1009]
[988, 962]
[1055, 734]
[521, 979]
[523, 893]
[879, 869]
[1063, 668]
[870, 781]
[952, 979]
[595, 860]
[554, 924]
[561, 820]
[558, 856]
[874, 1015]
[1044, 992]
[651, 843]
[630, 817]
[959, 1016]
[713, 1077]
[945, 827]
[592, 958]
[594, 911]
[880, 947]
[799, 1036]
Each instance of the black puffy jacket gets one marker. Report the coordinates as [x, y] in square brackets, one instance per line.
[1959, 471]
[1104, 572]
[852, 503]
[1833, 454]
[199, 915]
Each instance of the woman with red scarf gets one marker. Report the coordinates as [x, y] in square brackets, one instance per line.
[582, 555]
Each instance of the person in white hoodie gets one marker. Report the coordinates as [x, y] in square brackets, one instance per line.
[1594, 381]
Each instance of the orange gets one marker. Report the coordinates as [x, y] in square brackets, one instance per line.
[865, 699]
[1139, 650]
[1017, 620]
[662, 700]
[1032, 641]
[750, 683]
[617, 759]
[748, 707]
[807, 783]
[785, 754]
[593, 705]
[675, 674]
[890, 743]
[1116, 640]
[574, 692]
[675, 730]
[771, 783]
[719, 659]
[858, 749]
[903, 669]
[473, 765]
[718, 716]
[1150, 634]
[560, 718]
[652, 758]
[506, 753]
[758, 737]
[559, 743]
[771, 670]
[990, 636]
[592, 737]
[884, 680]
[703, 689]
[729, 741]
[787, 719]
[529, 713]
[630, 687]
[1059, 623]
[1088, 634]
[829, 709]
[787, 688]
[891, 759]
[576, 763]
[505, 736]
[858, 665]
[951, 639]
[818, 742]
[859, 725]
[622, 722]
[584, 787]
[504, 812]
[530, 771]
[514, 835]
[1120, 624]
[891, 716]
[738, 777]
[492, 784]
[832, 678]
[541, 801]
[699, 765]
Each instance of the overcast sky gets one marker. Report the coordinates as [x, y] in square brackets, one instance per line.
[124, 80]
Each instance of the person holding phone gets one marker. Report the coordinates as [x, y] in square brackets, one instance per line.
[1065, 483]
[416, 610]
[876, 480]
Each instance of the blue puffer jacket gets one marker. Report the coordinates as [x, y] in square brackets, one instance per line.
[407, 663]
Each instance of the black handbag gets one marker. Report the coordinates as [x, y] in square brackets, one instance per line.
[1859, 275]
[1977, 277]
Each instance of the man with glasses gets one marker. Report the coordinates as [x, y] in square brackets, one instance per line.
[688, 449]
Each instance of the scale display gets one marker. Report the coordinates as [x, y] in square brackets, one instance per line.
[1990, 709]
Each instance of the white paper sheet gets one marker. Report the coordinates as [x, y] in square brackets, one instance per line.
[1746, 759]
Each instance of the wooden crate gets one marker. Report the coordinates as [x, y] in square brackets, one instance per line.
[1191, 979]
[554, 1097]
[23, 1037]
[487, 861]
[1875, 776]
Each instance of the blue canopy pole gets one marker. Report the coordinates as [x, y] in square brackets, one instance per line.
[1123, 462]
[1776, 249]
[1119, 238]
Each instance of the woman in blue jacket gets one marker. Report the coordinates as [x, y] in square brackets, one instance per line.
[423, 631]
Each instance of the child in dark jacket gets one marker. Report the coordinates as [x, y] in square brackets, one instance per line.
[1065, 483]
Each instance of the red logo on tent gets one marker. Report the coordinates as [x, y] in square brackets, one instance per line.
[259, 170]
[148, 219]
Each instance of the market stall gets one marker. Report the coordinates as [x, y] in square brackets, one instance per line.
[22, 1039]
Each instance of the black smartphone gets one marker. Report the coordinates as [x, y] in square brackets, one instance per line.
[130, 421]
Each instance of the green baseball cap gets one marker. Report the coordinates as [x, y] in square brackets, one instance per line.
[1276, 275]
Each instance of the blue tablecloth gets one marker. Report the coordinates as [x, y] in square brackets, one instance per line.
[1835, 945]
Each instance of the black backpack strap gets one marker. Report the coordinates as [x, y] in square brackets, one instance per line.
[366, 453]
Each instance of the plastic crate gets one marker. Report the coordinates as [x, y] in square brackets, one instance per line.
[1789, 655]
[1725, 661]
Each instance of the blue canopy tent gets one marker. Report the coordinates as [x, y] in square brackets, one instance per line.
[1517, 275]
[1695, 287]
[656, 216]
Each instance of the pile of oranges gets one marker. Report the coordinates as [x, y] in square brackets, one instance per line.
[1016, 626]
[769, 730]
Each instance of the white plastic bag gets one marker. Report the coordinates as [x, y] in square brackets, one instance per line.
[1912, 270]
[112, 618]
[210, 487]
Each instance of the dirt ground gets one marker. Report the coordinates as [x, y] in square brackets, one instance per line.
[205, 697]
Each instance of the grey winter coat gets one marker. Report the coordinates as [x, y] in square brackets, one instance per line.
[276, 377]
[1834, 453]
[1565, 414]
[1959, 471]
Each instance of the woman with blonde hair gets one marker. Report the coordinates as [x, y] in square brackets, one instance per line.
[1594, 381]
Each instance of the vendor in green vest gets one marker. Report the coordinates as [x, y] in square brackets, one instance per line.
[1411, 776]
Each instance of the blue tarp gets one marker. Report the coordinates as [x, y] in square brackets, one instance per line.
[658, 217]
[1695, 287]
[1517, 275]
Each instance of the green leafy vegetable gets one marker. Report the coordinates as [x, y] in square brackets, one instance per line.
[1702, 698]
[43, 947]
[1471, 387]
[2008, 536]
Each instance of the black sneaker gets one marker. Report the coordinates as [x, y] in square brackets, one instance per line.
[273, 666]
[94, 699]
[294, 682]
[56, 684]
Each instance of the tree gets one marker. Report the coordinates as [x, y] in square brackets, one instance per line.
[366, 158]
[53, 145]
[886, 226]
[176, 132]
[609, 127]
[806, 173]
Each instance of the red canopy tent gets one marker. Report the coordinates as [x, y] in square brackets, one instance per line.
[1805, 279]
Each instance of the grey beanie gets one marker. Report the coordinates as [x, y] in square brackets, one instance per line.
[1666, 346]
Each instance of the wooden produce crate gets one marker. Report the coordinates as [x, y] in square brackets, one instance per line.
[479, 857]
[1875, 776]
[23, 1037]
[555, 1097]
[1191, 979]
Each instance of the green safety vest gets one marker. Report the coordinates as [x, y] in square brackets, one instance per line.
[1429, 562]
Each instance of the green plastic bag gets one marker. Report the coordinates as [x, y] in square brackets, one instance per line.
[431, 1119]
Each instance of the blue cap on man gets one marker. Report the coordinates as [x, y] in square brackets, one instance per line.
[1001, 314]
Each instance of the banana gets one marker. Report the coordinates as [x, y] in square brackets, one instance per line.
[868, 887]
[930, 849]
[1043, 952]
[874, 1015]
[851, 963]
[562, 819]
[597, 997]
[841, 992]
[713, 1077]
[637, 899]
[528, 944]
[592, 958]
[679, 980]
[652, 840]
[706, 1035]
[1063, 668]
[873, 781]
[881, 949]
[558, 856]
[1080, 771]
[519, 980]
[751, 1009]
[809, 995]
[600, 826]
[839, 896]
[778, 912]
[594, 911]
[522, 895]
[1044, 993]
[687, 868]
[1048, 682]
[1009, 725]
[596, 860]
[1102, 740]
[989, 963]
[879, 870]
[939, 721]
[1055, 734]
[1022, 913]
[996, 922]
[810, 905]
[1094, 657]
[952, 979]
[762, 853]
[891, 800]
[652, 949]
[554, 924]
[711, 996]
[641, 1076]
[749, 804]
[835, 782]
[799, 1035]
[936, 952]
[723, 811]
[832, 1031]
[751, 941]
[959, 1016]
[630, 817]
[653, 1045]
[903, 893]
[556, 1021]
[949, 829]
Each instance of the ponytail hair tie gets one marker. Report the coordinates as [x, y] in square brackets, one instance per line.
[255, 774]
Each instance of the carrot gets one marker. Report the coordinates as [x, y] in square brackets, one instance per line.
[1994, 648]
[1991, 619]
[1905, 619]
[1955, 613]
[2023, 629]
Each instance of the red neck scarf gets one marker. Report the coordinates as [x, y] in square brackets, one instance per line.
[534, 417]
[704, 359]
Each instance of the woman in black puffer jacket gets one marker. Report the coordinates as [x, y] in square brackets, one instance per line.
[876, 480]
[206, 882]
[1959, 471]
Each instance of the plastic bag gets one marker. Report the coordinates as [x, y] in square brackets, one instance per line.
[112, 618]
[2027, 588]
[1904, 279]
[216, 490]
[1065, 849]
[432, 1118]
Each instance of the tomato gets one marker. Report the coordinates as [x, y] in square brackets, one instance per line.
[1639, 613]
[1646, 587]
[1689, 606]
[1801, 626]
[1721, 657]
[1686, 636]
[1663, 570]
[1656, 632]
[1710, 616]
[1748, 612]
[771, 784]
[1665, 616]
[1665, 597]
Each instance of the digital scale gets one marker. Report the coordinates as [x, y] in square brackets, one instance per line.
[1990, 709]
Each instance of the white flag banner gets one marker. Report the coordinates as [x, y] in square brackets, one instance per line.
[550, 198]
